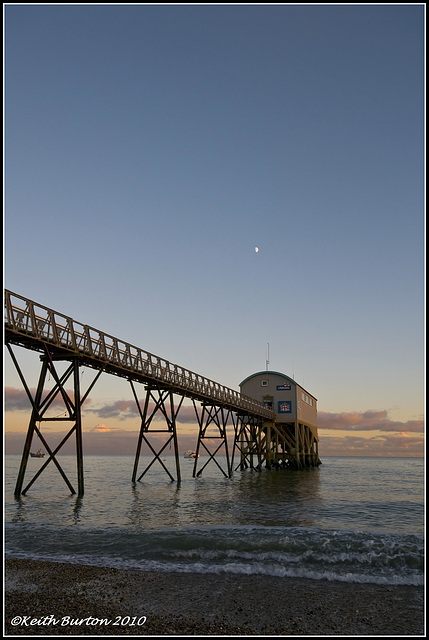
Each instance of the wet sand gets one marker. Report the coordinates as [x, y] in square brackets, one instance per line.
[46, 598]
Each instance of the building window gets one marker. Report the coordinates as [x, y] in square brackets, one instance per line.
[307, 398]
[268, 401]
[264, 383]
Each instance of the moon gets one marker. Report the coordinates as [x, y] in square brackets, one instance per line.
[256, 249]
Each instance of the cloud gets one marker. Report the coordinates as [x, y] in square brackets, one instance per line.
[126, 409]
[106, 440]
[17, 399]
[187, 415]
[366, 421]
[101, 428]
[120, 410]
[102, 440]
[392, 438]
[388, 445]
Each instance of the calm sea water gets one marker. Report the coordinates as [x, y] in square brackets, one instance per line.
[351, 519]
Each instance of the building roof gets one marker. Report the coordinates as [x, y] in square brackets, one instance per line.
[277, 373]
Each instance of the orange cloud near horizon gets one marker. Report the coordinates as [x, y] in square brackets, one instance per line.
[366, 421]
[103, 440]
[366, 433]
[102, 428]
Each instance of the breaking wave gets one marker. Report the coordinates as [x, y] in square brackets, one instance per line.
[349, 556]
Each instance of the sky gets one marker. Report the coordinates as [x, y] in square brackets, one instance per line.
[150, 149]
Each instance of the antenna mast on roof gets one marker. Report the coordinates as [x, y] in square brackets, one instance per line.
[267, 361]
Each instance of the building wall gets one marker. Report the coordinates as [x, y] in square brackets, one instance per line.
[307, 407]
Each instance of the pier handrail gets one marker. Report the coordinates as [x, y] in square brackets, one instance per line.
[33, 325]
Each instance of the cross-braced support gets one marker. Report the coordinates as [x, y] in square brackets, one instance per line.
[275, 444]
[40, 405]
[307, 447]
[163, 402]
[247, 442]
[219, 417]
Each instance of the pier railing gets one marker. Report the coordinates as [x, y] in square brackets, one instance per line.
[33, 325]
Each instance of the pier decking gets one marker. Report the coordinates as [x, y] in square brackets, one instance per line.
[59, 338]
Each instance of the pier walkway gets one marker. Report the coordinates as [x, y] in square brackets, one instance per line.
[59, 338]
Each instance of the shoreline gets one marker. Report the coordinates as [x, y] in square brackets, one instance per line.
[68, 599]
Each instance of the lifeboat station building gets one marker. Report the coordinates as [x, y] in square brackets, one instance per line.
[292, 440]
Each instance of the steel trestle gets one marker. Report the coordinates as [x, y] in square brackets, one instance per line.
[257, 438]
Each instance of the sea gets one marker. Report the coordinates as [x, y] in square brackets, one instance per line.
[351, 519]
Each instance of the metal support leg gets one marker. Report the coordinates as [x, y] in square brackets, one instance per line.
[78, 429]
[173, 414]
[143, 414]
[268, 445]
[31, 427]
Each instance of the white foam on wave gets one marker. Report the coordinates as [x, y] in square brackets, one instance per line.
[202, 567]
[348, 556]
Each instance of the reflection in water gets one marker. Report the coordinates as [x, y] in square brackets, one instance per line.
[268, 498]
[150, 502]
[342, 493]
[77, 509]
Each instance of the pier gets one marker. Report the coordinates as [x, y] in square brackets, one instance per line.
[260, 434]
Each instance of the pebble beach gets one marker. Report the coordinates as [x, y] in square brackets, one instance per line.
[50, 598]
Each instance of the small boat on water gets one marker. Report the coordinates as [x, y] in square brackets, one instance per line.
[37, 454]
[190, 454]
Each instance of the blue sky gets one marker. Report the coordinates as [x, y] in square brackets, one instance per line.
[150, 149]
